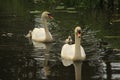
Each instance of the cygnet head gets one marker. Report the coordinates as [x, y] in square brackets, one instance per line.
[29, 35]
[78, 31]
[69, 40]
[46, 15]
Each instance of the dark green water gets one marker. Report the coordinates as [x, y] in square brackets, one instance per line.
[21, 59]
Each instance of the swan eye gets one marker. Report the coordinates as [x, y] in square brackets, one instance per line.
[49, 14]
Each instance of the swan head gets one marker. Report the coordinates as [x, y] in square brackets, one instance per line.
[78, 31]
[46, 15]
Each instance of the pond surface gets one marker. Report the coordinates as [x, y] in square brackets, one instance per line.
[23, 59]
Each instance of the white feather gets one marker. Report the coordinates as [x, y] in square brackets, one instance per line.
[38, 34]
[74, 52]
[68, 51]
[42, 34]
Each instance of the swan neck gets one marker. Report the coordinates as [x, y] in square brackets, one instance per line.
[44, 22]
[77, 41]
[77, 48]
[77, 44]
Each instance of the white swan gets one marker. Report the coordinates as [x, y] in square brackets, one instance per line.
[73, 52]
[42, 34]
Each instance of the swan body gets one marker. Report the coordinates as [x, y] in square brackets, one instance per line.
[68, 52]
[73, 52]
[42, 34]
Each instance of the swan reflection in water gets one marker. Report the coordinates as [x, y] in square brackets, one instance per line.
[42, 55]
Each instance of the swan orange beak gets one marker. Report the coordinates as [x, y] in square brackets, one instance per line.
[50, 16]
[79, 33]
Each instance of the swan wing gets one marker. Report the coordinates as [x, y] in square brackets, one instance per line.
[38, 34]
[68, 54]
[68, 51]
[49, 37]
[83, 55]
